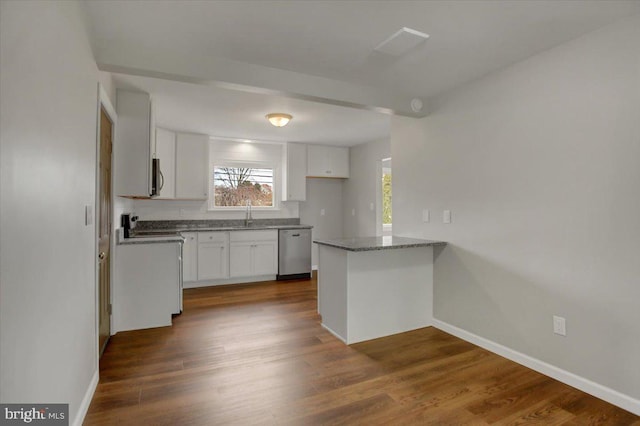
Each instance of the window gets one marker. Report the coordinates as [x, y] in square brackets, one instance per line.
[236, 185]
[386, 197]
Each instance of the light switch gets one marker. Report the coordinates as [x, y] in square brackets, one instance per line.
[353, 212]
[446, 216]
[321, 212]
[425, 215]
[371, 206]
[88, 215]
[559, 325]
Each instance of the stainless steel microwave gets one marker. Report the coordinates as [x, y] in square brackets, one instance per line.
[157, 179]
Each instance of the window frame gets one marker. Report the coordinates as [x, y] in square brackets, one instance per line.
[275, 190]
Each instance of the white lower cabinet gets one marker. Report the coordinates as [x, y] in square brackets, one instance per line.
[265, 258]
[240, 260]
[225, 257]
[190, 257]
[253, 253]
[213, 255]
[147, 285]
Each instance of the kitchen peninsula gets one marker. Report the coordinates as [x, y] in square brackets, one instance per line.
[373, 287]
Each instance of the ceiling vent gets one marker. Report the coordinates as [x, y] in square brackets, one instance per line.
[401, 42]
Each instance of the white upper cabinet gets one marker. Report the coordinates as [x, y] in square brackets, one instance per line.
[184, 164]
[296, 182]
[132, 150]
[192, 166]
[165, 151]
[327, 161]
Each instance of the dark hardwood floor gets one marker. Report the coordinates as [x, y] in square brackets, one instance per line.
[257, 355]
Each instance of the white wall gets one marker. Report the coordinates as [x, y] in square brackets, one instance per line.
[323, 194]
[48, 81]
[363, 188]
[229, 151]
[539, 164]
[106, 80]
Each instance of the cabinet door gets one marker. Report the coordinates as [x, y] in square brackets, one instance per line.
[212, 261]
[265, 258]
[166, 152]
[296, 188]
[132, 145]
[190, 257]
[192, 166]
[327, 161]
[317, 161]
[240, 262]
[338, 160]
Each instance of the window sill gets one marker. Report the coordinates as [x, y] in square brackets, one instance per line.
[244, 209]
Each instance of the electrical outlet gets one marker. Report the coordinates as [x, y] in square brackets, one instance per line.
[425, 215]
[371, 206]
[446, 216]
[559, 326]
[353, 212]
[321, 212]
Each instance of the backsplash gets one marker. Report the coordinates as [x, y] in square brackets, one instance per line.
[211, 223]
[198, 210]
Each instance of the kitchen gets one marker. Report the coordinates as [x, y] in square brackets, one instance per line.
[522, 158]
[305, 182]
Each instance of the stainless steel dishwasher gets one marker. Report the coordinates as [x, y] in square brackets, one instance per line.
[294, 254]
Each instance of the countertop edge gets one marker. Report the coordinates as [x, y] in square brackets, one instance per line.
[229, 229]
[151, 240]
[379, 247]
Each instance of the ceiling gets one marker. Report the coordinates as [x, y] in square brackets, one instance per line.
[324, 50]
[241, 115]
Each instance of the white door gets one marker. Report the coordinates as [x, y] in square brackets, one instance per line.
[240, 263]
[265, 258]
[212, 261]
[190, 257]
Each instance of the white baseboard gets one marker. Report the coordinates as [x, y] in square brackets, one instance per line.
[86, 401]
[334, 333]
[612, 396]
[226, 281]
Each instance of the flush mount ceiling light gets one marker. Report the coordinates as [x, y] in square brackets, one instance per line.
[279, 119]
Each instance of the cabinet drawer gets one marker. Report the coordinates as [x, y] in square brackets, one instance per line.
[264, 235]
[210, 237]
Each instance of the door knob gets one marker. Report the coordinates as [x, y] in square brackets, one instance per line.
[102, 255]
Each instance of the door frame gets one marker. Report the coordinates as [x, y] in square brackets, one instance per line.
[103, 103]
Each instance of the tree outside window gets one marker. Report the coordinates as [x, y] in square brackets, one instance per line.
[386, 198]
[236, 186]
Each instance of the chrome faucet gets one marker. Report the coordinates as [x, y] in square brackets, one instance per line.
[248, 220]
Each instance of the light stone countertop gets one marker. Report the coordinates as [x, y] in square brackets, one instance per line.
[176, 230]
[169, 235]
[151, 239]
[377, 243]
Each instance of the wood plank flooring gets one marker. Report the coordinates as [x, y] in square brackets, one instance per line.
[256, 355]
